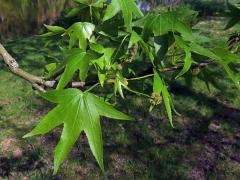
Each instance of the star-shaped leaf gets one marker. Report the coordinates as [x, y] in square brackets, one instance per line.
[104, 62]
[162, 23]
[78, 112]
[128, 8]
[81, 31]
[233, 15]
[75, 61]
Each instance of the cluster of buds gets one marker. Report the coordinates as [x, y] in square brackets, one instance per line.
[195, 71]
[125, 81]
[132, 52]
[119, 67]
[156, 99]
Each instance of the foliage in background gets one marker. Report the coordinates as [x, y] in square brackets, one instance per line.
[207, 7]
[234, 21]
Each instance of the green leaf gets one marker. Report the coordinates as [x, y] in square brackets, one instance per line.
[134, 39]
[81, 31]
[55, 29]
[50, 67]
[78, 112]
[100, 64]
[161, 44]
[97, 48]
[73, 64]
[180, 42]
[118, 87]
[157, 83]
[234, 16]
[160, 86]
[188, 58]
[120, 83]
[102, 77]
[235, 79]
[101, 69]
[104, 62]
[84, 67]
[209, 78]
[202, 51]
[48, 34]
[187, 63]
[167, 102]
[234, 9]
[232, 22]
[226, 56]
[162, 23]
[128, 8]
[74, 11]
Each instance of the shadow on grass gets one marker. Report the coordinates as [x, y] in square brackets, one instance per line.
[203, 144]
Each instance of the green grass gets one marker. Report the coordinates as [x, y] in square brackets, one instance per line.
[203, 144]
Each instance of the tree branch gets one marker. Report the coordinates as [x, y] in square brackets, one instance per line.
[194, 66]
[37, 82]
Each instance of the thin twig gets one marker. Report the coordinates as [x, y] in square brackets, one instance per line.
[194, 66]
[15, 69]
[39, 83]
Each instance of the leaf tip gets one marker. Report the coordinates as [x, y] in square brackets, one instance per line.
[27, 135]
[177, 77]
[102, 167]
[55, 172]
[172, 125]
[130, 118]
[55, 167]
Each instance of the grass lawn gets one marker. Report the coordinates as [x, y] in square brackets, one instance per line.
[204, 144]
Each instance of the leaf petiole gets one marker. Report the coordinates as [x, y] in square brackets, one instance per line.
[136, 92]
[141, 77]
[92, 87]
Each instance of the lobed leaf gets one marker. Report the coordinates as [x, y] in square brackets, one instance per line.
[74, 63]
[162, 23]
[78, 112]
[129, 10]
[81, 31]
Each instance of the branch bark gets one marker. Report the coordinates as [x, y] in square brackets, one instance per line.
[194, 66]
[37, 82]
[40, 83]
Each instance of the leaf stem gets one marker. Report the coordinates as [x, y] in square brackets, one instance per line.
[141, 77]
[123, 40]
[92, 87]
[91, 13]
[136, 92]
